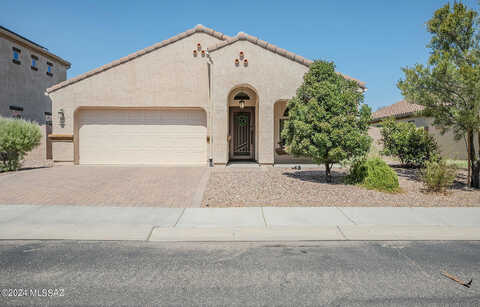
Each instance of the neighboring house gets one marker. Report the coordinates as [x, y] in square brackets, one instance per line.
[198, 97]
[409, 112]
[26, 71]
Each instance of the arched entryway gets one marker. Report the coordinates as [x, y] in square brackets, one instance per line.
[243, 124]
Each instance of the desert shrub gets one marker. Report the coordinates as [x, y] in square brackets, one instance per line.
[17, 137]
[373, 173]
[412, 145]
[438, 175]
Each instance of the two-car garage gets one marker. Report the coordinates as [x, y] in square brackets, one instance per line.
[142, 136]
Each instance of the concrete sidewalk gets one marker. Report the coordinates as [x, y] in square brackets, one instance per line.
[237, 224]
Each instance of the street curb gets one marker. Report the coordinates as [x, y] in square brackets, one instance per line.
[324, 233]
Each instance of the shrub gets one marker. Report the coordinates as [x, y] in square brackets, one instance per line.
[17, 137]
[438, 175]
[414, 147]
[374, 173]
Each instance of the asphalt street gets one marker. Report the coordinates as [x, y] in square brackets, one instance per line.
[240, 274]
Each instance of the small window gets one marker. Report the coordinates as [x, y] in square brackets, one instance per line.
[34, 63]
[49, 69]
[16, 55]
[48, 118]
[281, 124]
[16, 112]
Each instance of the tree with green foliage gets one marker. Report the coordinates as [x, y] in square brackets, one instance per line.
[328, 121]
[412, 145]
[449, 84]
[17, 137]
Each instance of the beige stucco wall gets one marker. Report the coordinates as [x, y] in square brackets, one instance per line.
[272, 76]
[170, 76]
[449, 147]
[24, 87]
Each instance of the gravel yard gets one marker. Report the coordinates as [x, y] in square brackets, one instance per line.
[242, 187]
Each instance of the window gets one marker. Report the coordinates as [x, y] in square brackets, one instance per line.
[16, 111]
[34, 62]
[281, 124]
[16, 55]
[49, 69]
[48, 118]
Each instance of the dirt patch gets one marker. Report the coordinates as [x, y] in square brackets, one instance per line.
[287, 187]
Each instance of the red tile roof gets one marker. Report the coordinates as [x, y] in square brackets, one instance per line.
[199, 28]
[400, 109]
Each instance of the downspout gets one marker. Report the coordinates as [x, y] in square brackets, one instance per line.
[210, 111]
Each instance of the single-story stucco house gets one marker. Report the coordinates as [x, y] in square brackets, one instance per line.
[410, 112]
[196, 98]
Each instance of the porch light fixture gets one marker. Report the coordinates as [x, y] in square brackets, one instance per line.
[241, 97]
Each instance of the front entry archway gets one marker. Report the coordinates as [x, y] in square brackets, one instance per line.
[243, 123]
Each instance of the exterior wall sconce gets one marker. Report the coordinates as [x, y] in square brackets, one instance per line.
[237, 61]
[199, 46]
[194, 52]
[241, 98]
[245, 62]
[242, 104]
[61, 116]
[242, 54]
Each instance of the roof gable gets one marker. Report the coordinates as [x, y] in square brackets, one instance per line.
[198, 29]
[280, 51]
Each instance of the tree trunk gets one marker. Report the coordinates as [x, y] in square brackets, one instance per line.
[328, 173]
[474, 164]
[469, 166]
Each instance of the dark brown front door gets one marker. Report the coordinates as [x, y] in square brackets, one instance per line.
[242, 133]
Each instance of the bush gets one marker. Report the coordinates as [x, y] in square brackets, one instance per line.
[17, 137]
[414, 147]
[438, 175]
[374, 173]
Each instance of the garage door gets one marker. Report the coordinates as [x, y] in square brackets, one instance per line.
[137, 136]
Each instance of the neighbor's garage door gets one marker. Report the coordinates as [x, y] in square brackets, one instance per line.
[138, 136]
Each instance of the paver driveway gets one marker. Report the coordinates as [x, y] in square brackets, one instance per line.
[144, 186]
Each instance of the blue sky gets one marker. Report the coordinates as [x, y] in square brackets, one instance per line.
[369, 40]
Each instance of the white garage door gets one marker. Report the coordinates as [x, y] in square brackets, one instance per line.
[138, 136]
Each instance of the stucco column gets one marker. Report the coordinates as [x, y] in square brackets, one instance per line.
[220, 133]
[265, 127]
